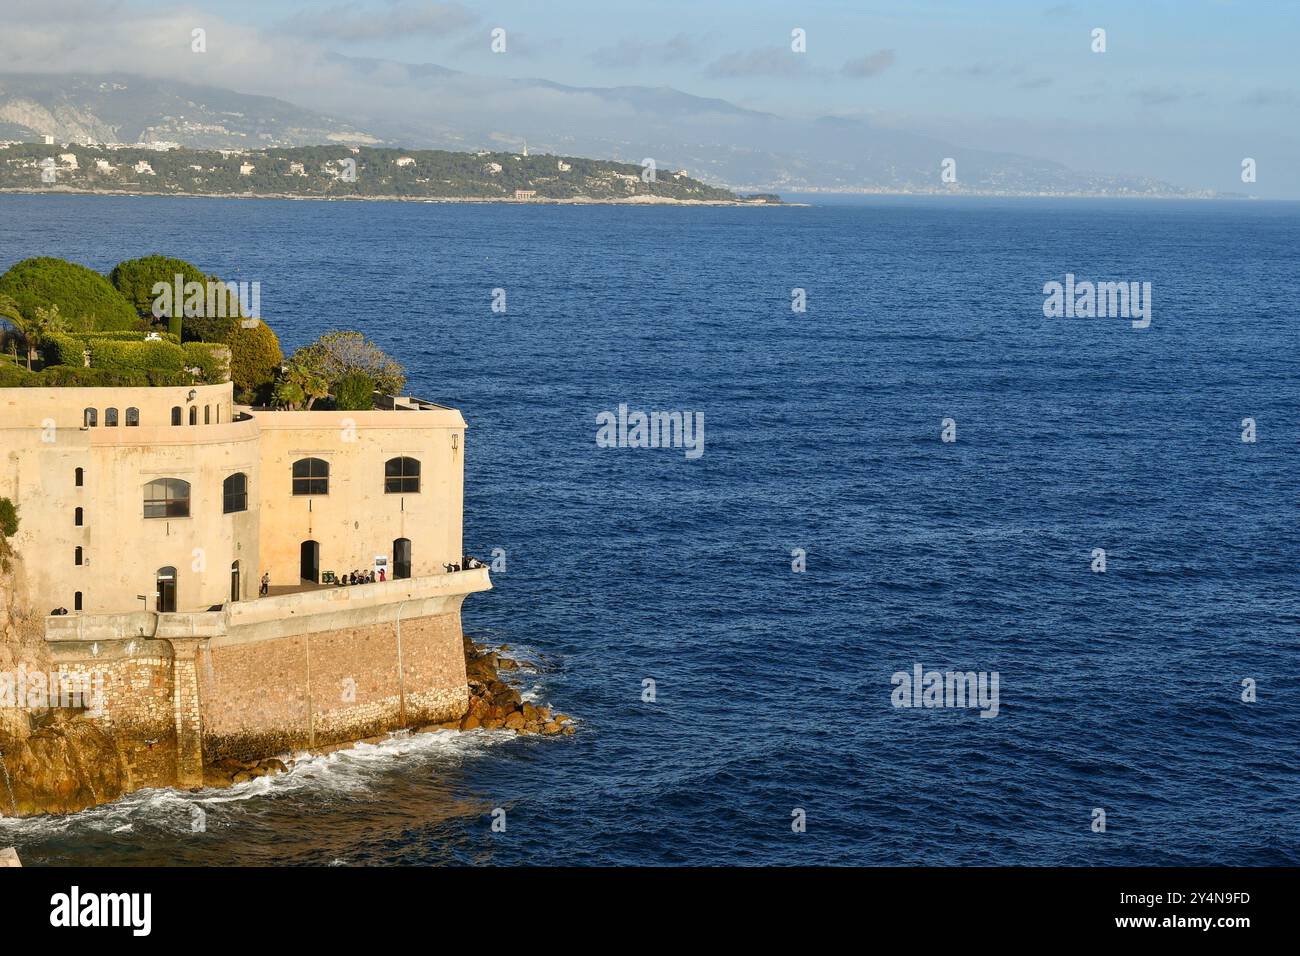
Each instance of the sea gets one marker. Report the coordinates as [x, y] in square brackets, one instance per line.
[905, 463]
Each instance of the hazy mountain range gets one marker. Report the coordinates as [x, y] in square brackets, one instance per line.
[378, 102]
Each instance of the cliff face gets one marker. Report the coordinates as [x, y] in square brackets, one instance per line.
[51, 760]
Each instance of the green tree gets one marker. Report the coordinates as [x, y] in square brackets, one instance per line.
[355, 392]
[336, 355]
[8, 518]
[255, 358]
[86, 299]
[39, 329]
[300, 383]
[288, 394]
[9, 310]
[135, 280]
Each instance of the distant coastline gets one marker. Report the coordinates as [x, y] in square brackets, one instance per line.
[352, 172]
[485, 200]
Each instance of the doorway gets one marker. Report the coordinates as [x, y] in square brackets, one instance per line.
[309, 562]
[166, 590]
[402, 558]
[234, 582]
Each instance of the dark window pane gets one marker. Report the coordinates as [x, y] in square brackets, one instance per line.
[167, 498]
[311, 477]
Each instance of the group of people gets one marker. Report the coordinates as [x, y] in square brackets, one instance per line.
[354, 577]
[468, 562]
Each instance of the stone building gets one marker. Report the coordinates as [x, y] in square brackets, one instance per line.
[151, 515]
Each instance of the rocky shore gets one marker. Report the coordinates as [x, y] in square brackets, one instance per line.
[494, 704]
[62, 761]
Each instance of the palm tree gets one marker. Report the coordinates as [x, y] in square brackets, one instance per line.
[37, 331]
[9, 310]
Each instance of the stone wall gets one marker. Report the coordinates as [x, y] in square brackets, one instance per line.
[303, 691]
[176, 694]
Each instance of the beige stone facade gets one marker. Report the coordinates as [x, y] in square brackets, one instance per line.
[81, 492]
[138, 530]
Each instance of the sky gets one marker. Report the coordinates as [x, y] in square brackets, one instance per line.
[1184, 90]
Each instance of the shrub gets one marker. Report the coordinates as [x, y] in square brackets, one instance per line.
[12, 376]
[85, 298]
[8, 518]
[68, 376]
[355, 392]
[144, 357]
[255, 357]
[212, 361]
[60, 349]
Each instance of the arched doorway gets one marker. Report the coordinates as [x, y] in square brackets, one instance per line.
[402, 558]
[234, 581]
[309, 561]
[166, 590]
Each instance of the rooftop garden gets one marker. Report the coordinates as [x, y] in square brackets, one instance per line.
[162, 321]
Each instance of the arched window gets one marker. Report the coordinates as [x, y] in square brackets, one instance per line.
[401, 476]
[194, 414]
[234, 581]
[78, 556]
[218, 414]
[234, 493]
[90, 418]
[167, 498]
[311, 476]
[78, 517]
[110, 418]
[76, 601]
[207, 414]
[132, 417]
[80, 476]
[176, 415]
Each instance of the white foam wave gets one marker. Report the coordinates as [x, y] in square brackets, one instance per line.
[347, 770]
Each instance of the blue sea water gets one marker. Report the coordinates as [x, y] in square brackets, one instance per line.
[1120, 691]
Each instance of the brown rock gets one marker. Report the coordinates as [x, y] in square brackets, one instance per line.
[469, 723]
[551, 729]
[508, 696]
[493, 723]
[272, 765]
[569, 729]
[531, 714]
[514, 721]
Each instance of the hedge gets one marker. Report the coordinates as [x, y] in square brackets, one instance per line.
[136, 356]
[65, 376]
[60, 349]
[129, 336]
